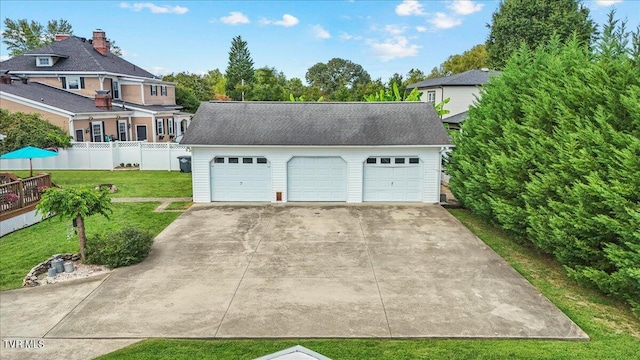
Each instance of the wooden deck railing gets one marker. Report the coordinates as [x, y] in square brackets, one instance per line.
[23, 193]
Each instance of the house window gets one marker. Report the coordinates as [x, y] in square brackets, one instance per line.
[170, 126]
[160, 126]
[115, 89]
[44, 61]
[154, 90]
[72, 82]
[96, 132]
[122, 130]
[431, 96]
[163, 90]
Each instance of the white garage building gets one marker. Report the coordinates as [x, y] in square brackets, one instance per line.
[309, 151]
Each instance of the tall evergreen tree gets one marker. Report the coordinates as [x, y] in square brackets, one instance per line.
[240, 70]
[534, 23]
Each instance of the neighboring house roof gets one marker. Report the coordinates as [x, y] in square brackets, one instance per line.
[316, 123]
[457, 118]
[57, 98]
[467, 78]
[80, 56]
[151, 108]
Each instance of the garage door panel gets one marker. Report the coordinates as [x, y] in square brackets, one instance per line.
[392, 182]
[240, 181]
[317, 179]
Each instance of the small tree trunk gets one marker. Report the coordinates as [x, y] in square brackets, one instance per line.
[81, 236]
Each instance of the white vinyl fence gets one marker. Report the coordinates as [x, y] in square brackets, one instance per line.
[106, 156]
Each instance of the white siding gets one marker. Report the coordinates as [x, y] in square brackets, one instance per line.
[461, 97]
[279, 156]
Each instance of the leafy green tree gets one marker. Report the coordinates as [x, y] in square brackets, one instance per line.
[187, 98]
[269, 85]
[336, 78]
[75, 204]
[414, 76]
[475, 58]
[396, 79]
[240, 70]
[534, 23]
[23, 129]
[295, 87]
[23, 35]
[215, 79]
[551, 153]
[393, 95]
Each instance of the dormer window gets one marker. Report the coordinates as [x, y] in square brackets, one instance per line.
[43, 61]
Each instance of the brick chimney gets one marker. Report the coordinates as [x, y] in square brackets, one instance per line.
[60, 37]
[100, 42]
[103, 99]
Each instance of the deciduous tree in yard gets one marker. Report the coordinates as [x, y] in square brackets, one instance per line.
[75, 204]
[551, 153]
[23, 35]
[24, 129]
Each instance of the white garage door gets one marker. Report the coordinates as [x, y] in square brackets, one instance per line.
[392, 179]
[317, 179]
[237, 178]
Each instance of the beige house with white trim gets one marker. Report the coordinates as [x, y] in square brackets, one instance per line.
[113, 98]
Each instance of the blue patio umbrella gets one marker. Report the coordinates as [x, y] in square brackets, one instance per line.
[29, 152]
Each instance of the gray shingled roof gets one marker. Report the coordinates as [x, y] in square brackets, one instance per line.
[81, 57]
[316, 123]
[55, 97]
[467, 78]
[457, 118]
[158, 108]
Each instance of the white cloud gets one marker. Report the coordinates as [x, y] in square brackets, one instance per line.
[396, 47]
[155, 9]
[465, 7]
[319, 32]
[394, 29]
[128, 54]
[421, 28]
[159, 70]
[287, 21]
[607, 2]
[444, 21]
[235, 18]
[409, 7]
[347, 36]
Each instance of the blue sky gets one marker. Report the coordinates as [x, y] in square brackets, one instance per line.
[195, 36]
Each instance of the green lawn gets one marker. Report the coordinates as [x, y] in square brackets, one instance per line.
[614, 331]
[25, 248]
[130, 183]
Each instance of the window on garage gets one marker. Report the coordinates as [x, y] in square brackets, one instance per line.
[414, 161]
[385, 160]
[233, 160]
[399, 160]
[261, 160]
[218, 160]
[371, 160]
[247, 160]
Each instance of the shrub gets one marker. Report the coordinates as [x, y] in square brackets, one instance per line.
[123, 247]
[121, 164]
[551, 153]
[128, 165]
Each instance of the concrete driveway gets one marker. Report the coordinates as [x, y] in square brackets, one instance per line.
[309, 270]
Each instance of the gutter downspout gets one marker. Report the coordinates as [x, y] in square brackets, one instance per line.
[153, 128]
